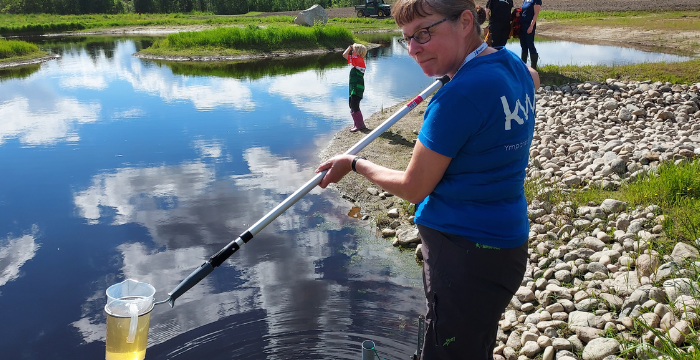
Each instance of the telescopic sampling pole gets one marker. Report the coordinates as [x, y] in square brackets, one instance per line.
[223, 254]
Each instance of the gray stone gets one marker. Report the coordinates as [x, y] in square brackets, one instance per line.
[680, 286]
[548, 353]
[586, 334]
[684, 251]
[408, 236]
[393, 213]
[524, 294]
[311, 16]
[598, 349]
[581, 318]
[626, 283]
[613, 300]
[514, 341]
[613, 206]
[530, 349]
[647, 264]
[576, 344]
[563, 276]
[587, 305]
[561, 344]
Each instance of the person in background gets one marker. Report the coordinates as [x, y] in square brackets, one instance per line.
[498, 13]
[466, 175]
[528, 25]
[355, 54]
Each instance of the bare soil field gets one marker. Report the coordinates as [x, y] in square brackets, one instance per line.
[562, 5]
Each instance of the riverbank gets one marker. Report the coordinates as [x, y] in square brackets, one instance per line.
[607, 268]
[250, 42]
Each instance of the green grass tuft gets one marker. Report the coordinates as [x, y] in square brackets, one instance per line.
[15, 48]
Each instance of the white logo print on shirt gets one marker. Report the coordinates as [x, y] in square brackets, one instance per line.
[513, 115]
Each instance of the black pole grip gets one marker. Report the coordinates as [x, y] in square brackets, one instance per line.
[192, 280]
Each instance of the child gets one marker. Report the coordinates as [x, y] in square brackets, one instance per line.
[355, 54]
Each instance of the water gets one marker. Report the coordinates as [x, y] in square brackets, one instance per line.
[114, 167]
[557, 52]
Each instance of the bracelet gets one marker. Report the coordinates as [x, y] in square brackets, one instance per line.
[354, 161]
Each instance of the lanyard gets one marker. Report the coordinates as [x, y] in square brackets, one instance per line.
[472, 55]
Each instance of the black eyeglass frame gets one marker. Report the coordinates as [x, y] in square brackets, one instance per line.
[406, 41]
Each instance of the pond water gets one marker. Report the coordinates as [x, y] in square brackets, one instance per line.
[115, 167]
[557, 52]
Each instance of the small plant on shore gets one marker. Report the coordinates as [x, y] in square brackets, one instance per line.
[407, 207]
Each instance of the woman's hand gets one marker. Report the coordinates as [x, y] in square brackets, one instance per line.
[532, 26]
[338, 167]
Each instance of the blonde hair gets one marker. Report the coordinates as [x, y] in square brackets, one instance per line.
[405, 11]
[359, 50]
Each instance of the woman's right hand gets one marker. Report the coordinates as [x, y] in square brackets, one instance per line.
[338, 167]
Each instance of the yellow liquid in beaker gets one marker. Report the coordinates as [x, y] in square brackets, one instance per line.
[118, 330]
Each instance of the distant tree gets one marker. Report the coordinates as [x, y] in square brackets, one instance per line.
[144, 6]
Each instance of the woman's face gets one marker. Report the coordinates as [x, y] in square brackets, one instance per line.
[444, 52]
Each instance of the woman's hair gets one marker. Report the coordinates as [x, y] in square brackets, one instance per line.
[481, 15]
[405, 11]
[359, 50]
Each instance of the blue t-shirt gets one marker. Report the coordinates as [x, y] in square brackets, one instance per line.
[529, 11]
[484, 120]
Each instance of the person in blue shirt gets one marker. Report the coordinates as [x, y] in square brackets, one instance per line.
[528, 25]
[466, 175]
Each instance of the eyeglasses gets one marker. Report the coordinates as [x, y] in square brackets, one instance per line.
[421, 36]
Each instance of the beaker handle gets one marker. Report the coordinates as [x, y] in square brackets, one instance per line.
[134, 312]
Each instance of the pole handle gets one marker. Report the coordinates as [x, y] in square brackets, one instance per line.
[192, 280]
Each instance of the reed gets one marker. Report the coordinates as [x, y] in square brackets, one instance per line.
[255, 39]
[16, 48]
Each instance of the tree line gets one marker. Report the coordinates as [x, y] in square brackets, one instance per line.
[219, 7]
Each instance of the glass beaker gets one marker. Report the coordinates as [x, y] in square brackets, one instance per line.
[129, 306]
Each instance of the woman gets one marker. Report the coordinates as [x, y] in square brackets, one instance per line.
[355, 55]
[466, 175]
[528, 25]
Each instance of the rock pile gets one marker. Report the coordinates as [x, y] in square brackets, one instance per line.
[601, 133]
[591, 275]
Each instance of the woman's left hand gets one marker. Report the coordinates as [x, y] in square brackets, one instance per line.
[532, 26]
[337, 167]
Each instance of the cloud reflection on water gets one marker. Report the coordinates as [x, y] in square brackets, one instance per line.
[15, 252]
[137, 196]
[44, 126]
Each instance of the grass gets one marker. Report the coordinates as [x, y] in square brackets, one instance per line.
[687, 72]
[674, 188]
[253, 39]
[643, 20]
[13, 50]
[25, 24]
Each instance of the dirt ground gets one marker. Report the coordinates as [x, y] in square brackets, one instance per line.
[668, 41]
[563, 5]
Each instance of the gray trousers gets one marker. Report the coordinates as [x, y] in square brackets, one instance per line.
[467, 288]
